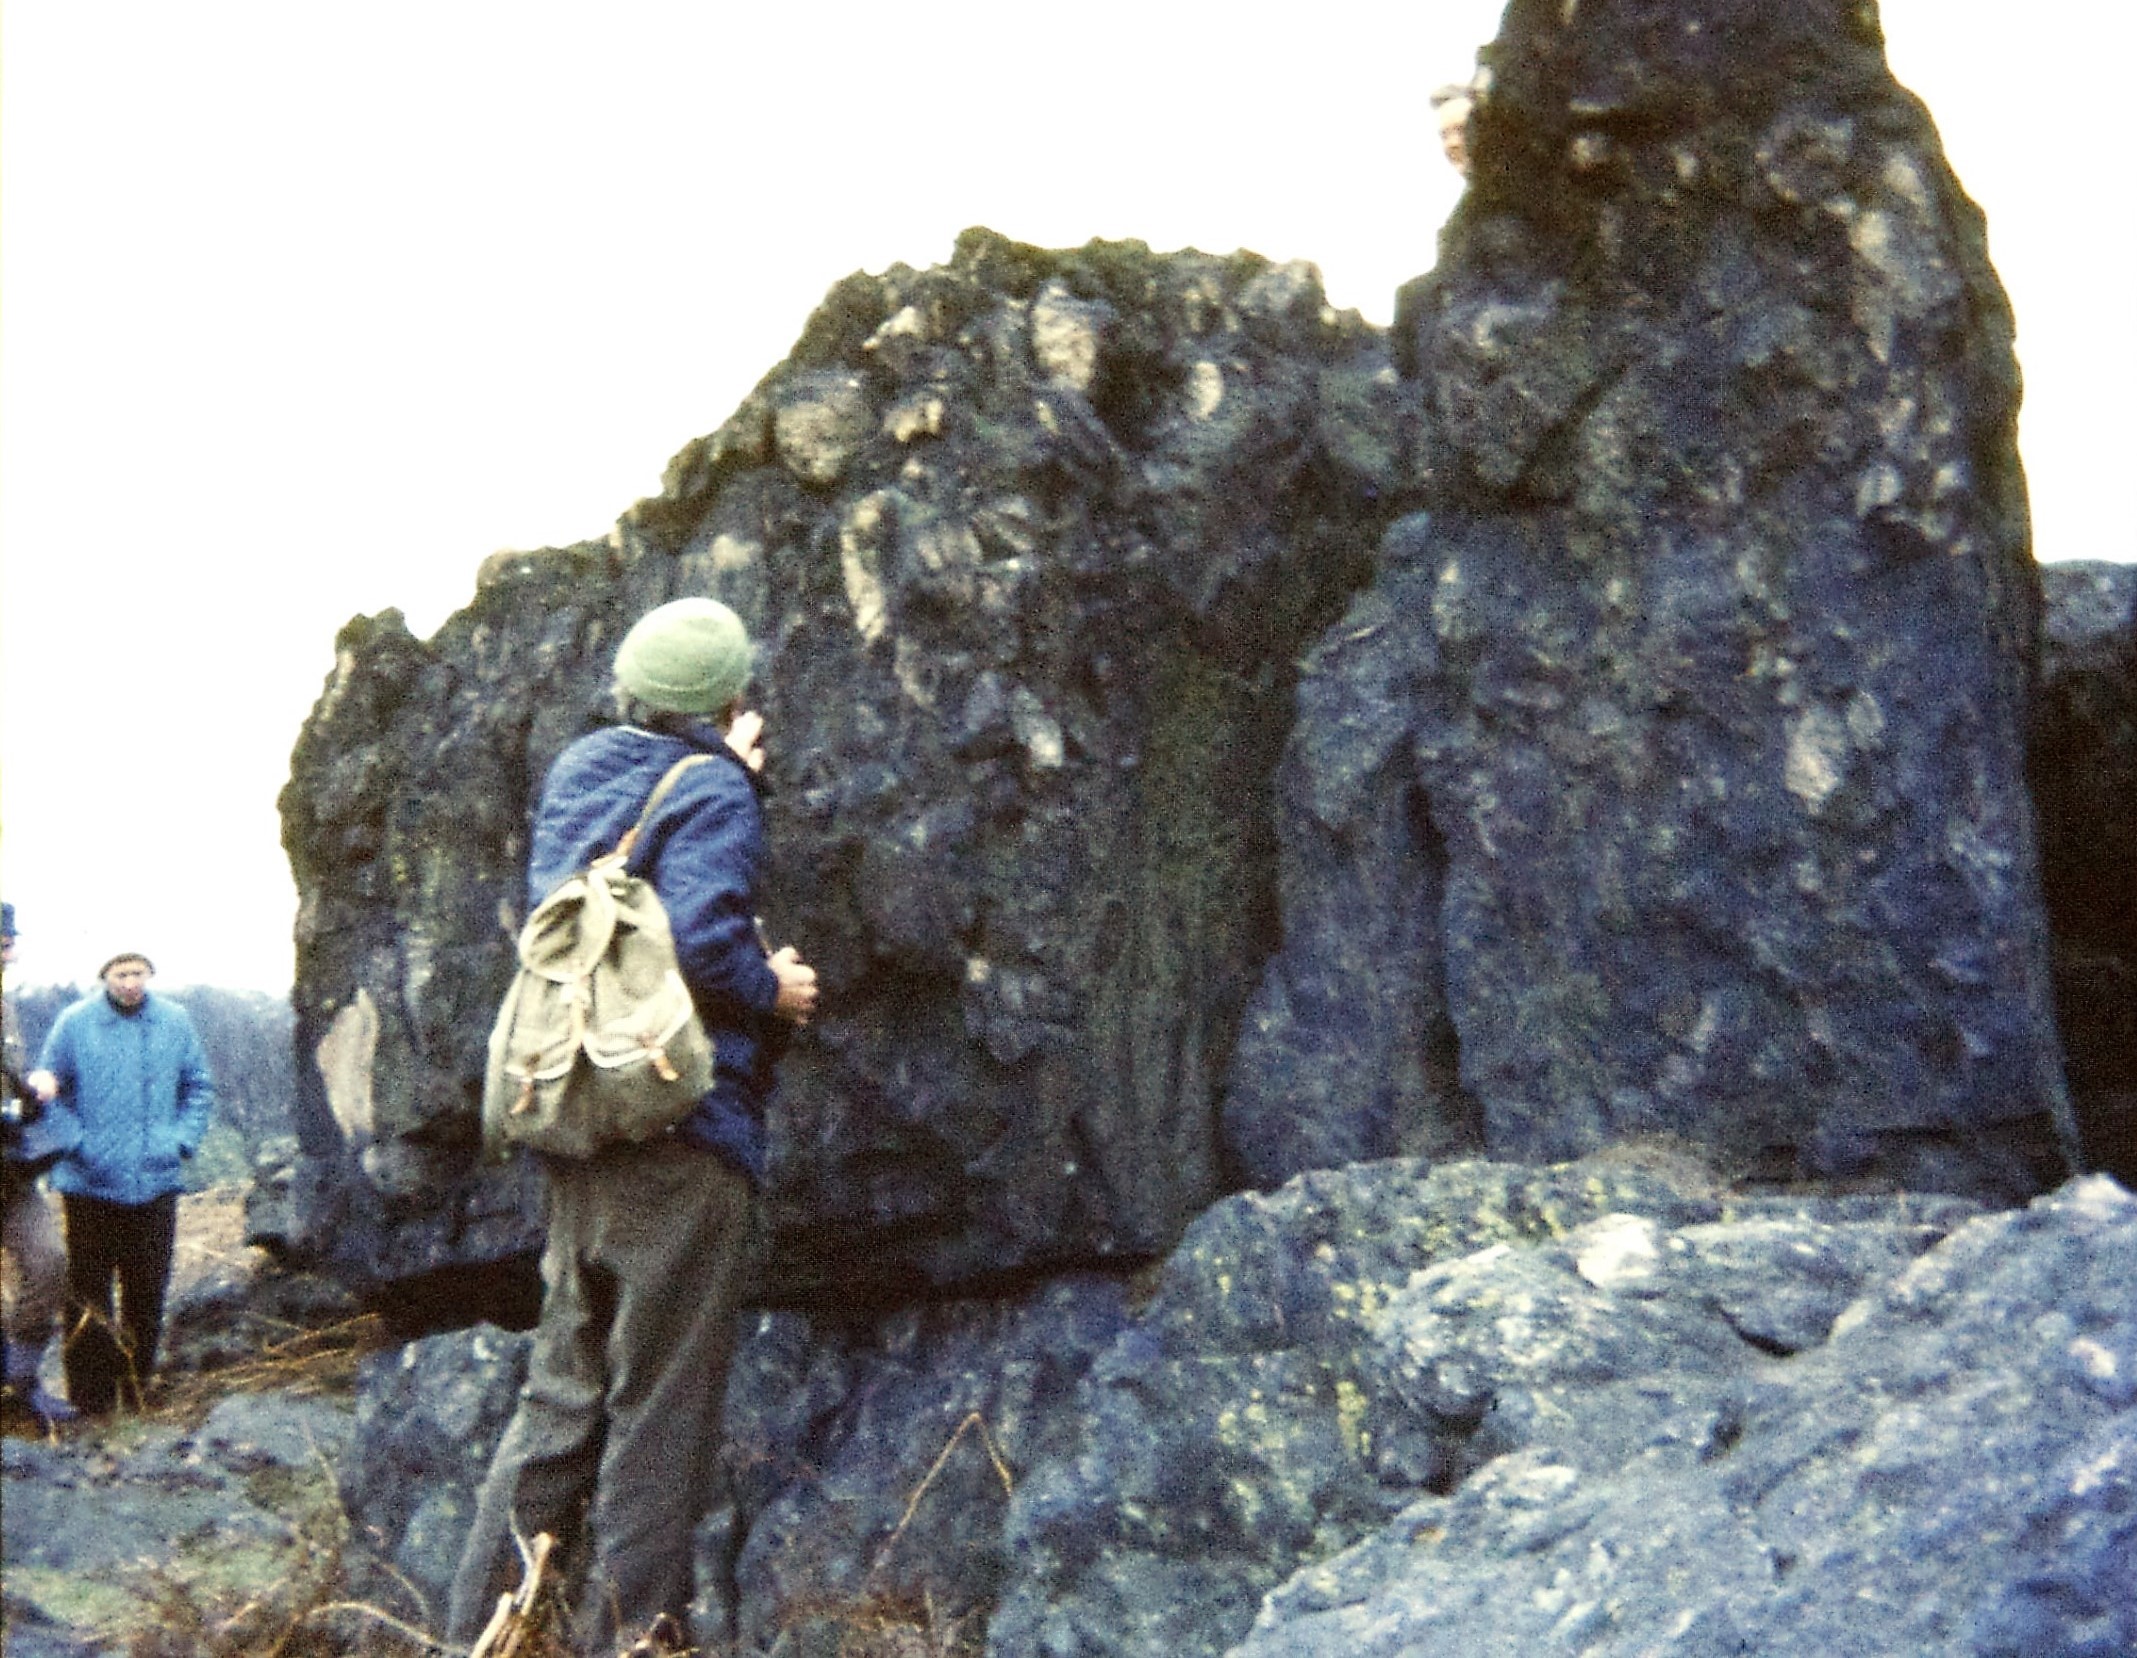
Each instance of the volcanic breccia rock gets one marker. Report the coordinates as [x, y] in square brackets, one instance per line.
[1693, 712]
[1953, 1470]
[1462, 1409]
[1295, 820]
[1621, 670]
[1028, 594]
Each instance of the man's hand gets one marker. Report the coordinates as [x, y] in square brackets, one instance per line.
[746, 738]
[797, 985]
[18, 1106]
[46, 1086]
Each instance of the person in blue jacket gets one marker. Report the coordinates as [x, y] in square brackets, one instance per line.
[128, 1068]
[613, 1443]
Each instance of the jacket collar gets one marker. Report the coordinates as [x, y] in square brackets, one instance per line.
[701, 737]
[104, 1004]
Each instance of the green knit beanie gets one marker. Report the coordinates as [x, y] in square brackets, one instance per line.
[687, 657]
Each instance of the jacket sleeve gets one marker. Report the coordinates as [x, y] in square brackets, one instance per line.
[705, 871]
[57, 1055]
[196, 1093]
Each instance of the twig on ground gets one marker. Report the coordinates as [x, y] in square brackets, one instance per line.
[386, 1620]
[513, 1625]
[973, 1419]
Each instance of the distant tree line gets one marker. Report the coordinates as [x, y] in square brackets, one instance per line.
[247, 1034]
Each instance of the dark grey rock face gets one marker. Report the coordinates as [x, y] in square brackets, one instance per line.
[428, 1416]
[2084, 770]
[1667, 779]
[1030, 659]
[1245, 1426]
[1684, 735]
[405, 820]
[1031, 544]
[1954, 1470]
[873, 1464]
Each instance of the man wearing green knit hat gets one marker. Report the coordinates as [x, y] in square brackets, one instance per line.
[617, 1430]
[689, 657]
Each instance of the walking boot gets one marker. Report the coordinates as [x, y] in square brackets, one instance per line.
[23, 1365]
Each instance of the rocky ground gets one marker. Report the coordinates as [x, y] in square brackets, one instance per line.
[212, 1521]
[1681, 1414]
[1609, 1407]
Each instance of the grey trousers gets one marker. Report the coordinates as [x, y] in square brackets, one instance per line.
[30, 1233]
[615, 1442]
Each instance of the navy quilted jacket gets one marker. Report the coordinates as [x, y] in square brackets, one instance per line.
[703, 851]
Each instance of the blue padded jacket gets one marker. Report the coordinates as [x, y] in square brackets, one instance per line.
[703, 851]
[137, 1086]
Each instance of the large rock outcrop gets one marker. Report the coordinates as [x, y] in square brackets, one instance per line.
[1666, 776]
[1951, 1468]
[1670, 777]
[1371, 1399]
[1030, 543]
[1655, 795]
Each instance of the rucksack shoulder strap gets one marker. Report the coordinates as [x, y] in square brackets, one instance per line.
[661, 791]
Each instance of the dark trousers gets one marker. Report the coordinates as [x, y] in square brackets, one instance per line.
[112, 1350]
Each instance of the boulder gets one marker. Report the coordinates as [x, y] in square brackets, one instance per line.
[1670, 776]
[1030, 544]
[1667, 776]
[1245, 1425]
[428, 1416]
[1952, 1470]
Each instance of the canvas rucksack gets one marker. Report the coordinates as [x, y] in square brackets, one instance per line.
[597, 1041]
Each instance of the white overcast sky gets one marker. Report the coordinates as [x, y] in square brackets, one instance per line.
[307, 308]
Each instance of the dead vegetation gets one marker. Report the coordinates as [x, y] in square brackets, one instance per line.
[887, 1625]
[301, 1607]
[318, 1363]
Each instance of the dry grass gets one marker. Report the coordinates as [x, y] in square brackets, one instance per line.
[283, 1602]
[307, 1612]
[889, 1626]
[211, 1234]
[310, 1363]
[905, 1623]
[973, 1420]
[295, 1359]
